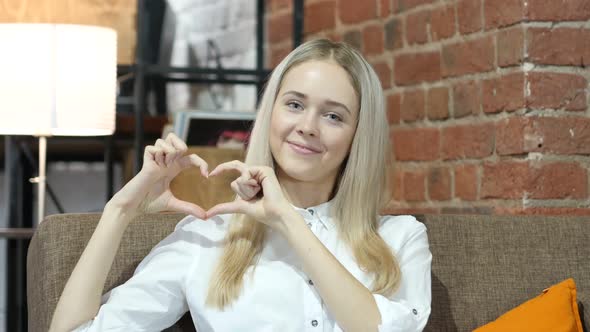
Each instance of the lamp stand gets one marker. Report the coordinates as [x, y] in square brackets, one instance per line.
[40, 179]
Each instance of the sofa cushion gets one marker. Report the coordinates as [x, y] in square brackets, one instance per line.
[556, 309]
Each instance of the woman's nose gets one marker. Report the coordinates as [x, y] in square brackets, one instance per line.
[308, 125]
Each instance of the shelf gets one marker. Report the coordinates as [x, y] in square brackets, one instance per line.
[215, 115]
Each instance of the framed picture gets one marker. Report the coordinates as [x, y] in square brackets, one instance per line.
[204, 128]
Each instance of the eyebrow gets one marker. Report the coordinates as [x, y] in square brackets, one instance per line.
[329, 102]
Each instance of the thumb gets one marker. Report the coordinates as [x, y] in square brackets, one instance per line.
[178, 205]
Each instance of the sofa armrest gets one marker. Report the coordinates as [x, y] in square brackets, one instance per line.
[58, 243]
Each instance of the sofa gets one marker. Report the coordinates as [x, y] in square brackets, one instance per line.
[483, 265]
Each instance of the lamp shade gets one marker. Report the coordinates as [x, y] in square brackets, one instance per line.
[57, 80]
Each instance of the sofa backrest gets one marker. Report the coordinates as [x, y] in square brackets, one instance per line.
[482, 265]
[486, 265]
[57, 245]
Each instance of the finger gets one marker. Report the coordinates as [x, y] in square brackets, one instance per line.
[149, 152]
[267, 179]
[230, 165]
[247, 191]
[237, 206]
[169, 150]
[186, 207]
[178, 144]
[159, 157]
[194, 160]
[243, 192]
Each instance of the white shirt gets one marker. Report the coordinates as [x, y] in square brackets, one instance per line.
[276, 296]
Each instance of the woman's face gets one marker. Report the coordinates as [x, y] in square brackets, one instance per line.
[313, 121]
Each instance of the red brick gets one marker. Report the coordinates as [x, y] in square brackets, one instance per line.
[385, 8]
[437, 107]
[561, 46]
[277, 54]
[419, 144]
[354, 38]
[280, 4]
[280, 27]
[524, 179]
[412, 107]
[415, 186]
[417, 27]
[475, 56]
[442, 22]
[466, 99]
[393, 210]
[334, 36]
[394, 108]
[504, 179]
[384, 72]
[403, 5]
[357, 11]
[469, 16]
[467, 141]
[558, 180]
[393, 34]
[510, 135]
[439, 184]
[557, 90]
[467, 210]
[502, 13]
[466, 182]
[545, 211]
[417, 67]
[373, 40]
[558, 10]
[319, 16]
[562, 136]
[396, 184]
[511, 46]
[505, 93]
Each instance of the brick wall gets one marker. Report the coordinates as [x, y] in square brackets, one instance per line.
[487, 99]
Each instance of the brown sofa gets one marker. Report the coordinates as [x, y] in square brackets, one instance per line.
[482, 265]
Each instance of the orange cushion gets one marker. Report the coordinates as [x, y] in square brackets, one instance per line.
[556, 310]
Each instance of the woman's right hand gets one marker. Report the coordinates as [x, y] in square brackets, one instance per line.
[149, 191]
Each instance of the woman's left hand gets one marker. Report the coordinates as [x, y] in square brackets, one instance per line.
[259, 194]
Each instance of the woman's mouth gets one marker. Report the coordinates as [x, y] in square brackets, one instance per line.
[301, 149]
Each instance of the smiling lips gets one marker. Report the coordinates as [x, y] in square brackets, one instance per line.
[303, 149]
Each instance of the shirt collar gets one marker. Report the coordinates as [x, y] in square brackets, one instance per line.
[321, 211]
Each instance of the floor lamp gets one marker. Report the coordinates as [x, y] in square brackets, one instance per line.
[56, 80]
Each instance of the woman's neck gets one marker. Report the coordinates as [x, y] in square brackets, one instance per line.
[305, 194]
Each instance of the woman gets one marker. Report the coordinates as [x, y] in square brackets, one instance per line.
[302, 246]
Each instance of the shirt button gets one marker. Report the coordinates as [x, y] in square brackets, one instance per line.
[310, 282]
[314, 323]
[414, 311]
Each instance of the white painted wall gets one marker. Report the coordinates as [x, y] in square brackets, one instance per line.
[231, 24]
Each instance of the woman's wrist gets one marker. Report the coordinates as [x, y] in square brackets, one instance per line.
[289, 223]
[118, 212]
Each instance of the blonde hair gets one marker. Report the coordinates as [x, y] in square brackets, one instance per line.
[360, 191]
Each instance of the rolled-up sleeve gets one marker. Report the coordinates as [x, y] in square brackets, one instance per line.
[154, 297]
[408, 310]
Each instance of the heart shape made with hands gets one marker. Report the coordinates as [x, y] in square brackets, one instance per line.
[191, 186]
[206, 192]
[168, 158]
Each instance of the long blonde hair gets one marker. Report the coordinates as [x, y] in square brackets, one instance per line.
[360, 191]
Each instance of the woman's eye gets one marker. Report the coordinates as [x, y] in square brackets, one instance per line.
[294, 105]
[334, 117]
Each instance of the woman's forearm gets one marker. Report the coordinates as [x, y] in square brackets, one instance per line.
[351, 303]
[80, 299]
